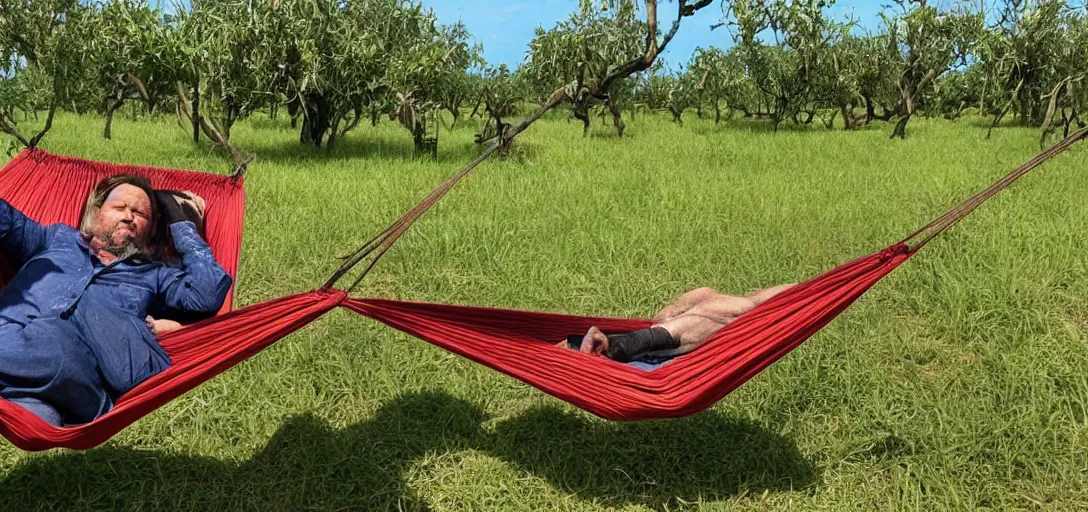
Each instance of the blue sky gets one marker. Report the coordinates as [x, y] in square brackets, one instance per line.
[505, 28]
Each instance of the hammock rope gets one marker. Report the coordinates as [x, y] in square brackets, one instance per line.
[51, 189]
[926, 233]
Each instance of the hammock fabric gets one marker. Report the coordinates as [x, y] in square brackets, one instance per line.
[52, 188]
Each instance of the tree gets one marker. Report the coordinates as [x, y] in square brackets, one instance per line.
[636, 63]
[457, 86]
[792, 73]
[500, 92]
[861, 75]
[713, 77]
[426, 76]
[41, 59]
[584, 50]
[1069, 96]
[928, 41]
[1022, 59]
[129, 48]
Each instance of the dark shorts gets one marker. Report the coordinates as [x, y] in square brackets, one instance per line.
[648, 361]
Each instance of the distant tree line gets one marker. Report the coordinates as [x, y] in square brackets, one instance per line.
[332, 65]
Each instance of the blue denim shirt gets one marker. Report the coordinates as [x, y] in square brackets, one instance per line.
[61, 283]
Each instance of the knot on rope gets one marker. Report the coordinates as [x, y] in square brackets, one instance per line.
[334, 295]
[890, 252]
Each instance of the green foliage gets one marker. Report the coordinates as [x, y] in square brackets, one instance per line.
[580, 53]
[41, 58]
[1033, 62]
[675, 92]
[797, 74]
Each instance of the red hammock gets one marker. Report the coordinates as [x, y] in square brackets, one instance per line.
[53, 188]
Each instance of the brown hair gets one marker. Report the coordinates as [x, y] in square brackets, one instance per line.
[102, 190]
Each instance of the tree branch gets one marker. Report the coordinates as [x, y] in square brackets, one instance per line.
[239, 160]
[48, 124]
[8, 126]
[653, 49]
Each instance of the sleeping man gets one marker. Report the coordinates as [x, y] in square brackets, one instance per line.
[678, 328]
[75, 321]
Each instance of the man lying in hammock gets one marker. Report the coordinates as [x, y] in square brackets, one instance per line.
[74, 328]
[678, 329]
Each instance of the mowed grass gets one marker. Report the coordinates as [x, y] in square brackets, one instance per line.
[959, 382]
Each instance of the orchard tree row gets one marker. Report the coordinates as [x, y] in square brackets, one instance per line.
[332, 65]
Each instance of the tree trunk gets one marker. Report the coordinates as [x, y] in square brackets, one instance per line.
[583, 116]
[476, 108]
[293, 107]
[901, 127]
[196, 111]
[315, 121]
[848, 121]
[717, 113]
[106, 132]
[118, 101]
[997, 120]
[830, 123]
[617, 120]
[331, 140]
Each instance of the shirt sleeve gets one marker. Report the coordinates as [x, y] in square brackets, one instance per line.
[21, 237]
[200, 285]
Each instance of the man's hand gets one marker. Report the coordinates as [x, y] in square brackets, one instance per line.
[180, 206]
[158, 327]
[595, 342]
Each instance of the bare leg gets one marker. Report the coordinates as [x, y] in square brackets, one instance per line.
[684, 303]
[702, 312]
[697, 324]
[761, 296]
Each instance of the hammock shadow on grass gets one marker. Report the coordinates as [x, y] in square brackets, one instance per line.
[308, 464]
[659, 464]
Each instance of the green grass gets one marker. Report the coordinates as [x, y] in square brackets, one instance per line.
[959, 382]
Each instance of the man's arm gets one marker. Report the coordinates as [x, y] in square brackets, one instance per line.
[20, 236]
[200, 285]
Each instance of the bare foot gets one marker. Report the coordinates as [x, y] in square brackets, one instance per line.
[158, 327]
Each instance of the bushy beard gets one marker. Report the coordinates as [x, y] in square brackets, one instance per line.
[126, 249]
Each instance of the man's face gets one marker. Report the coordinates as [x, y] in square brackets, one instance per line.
[124, 220]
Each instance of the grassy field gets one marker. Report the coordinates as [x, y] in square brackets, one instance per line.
[960, 382]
